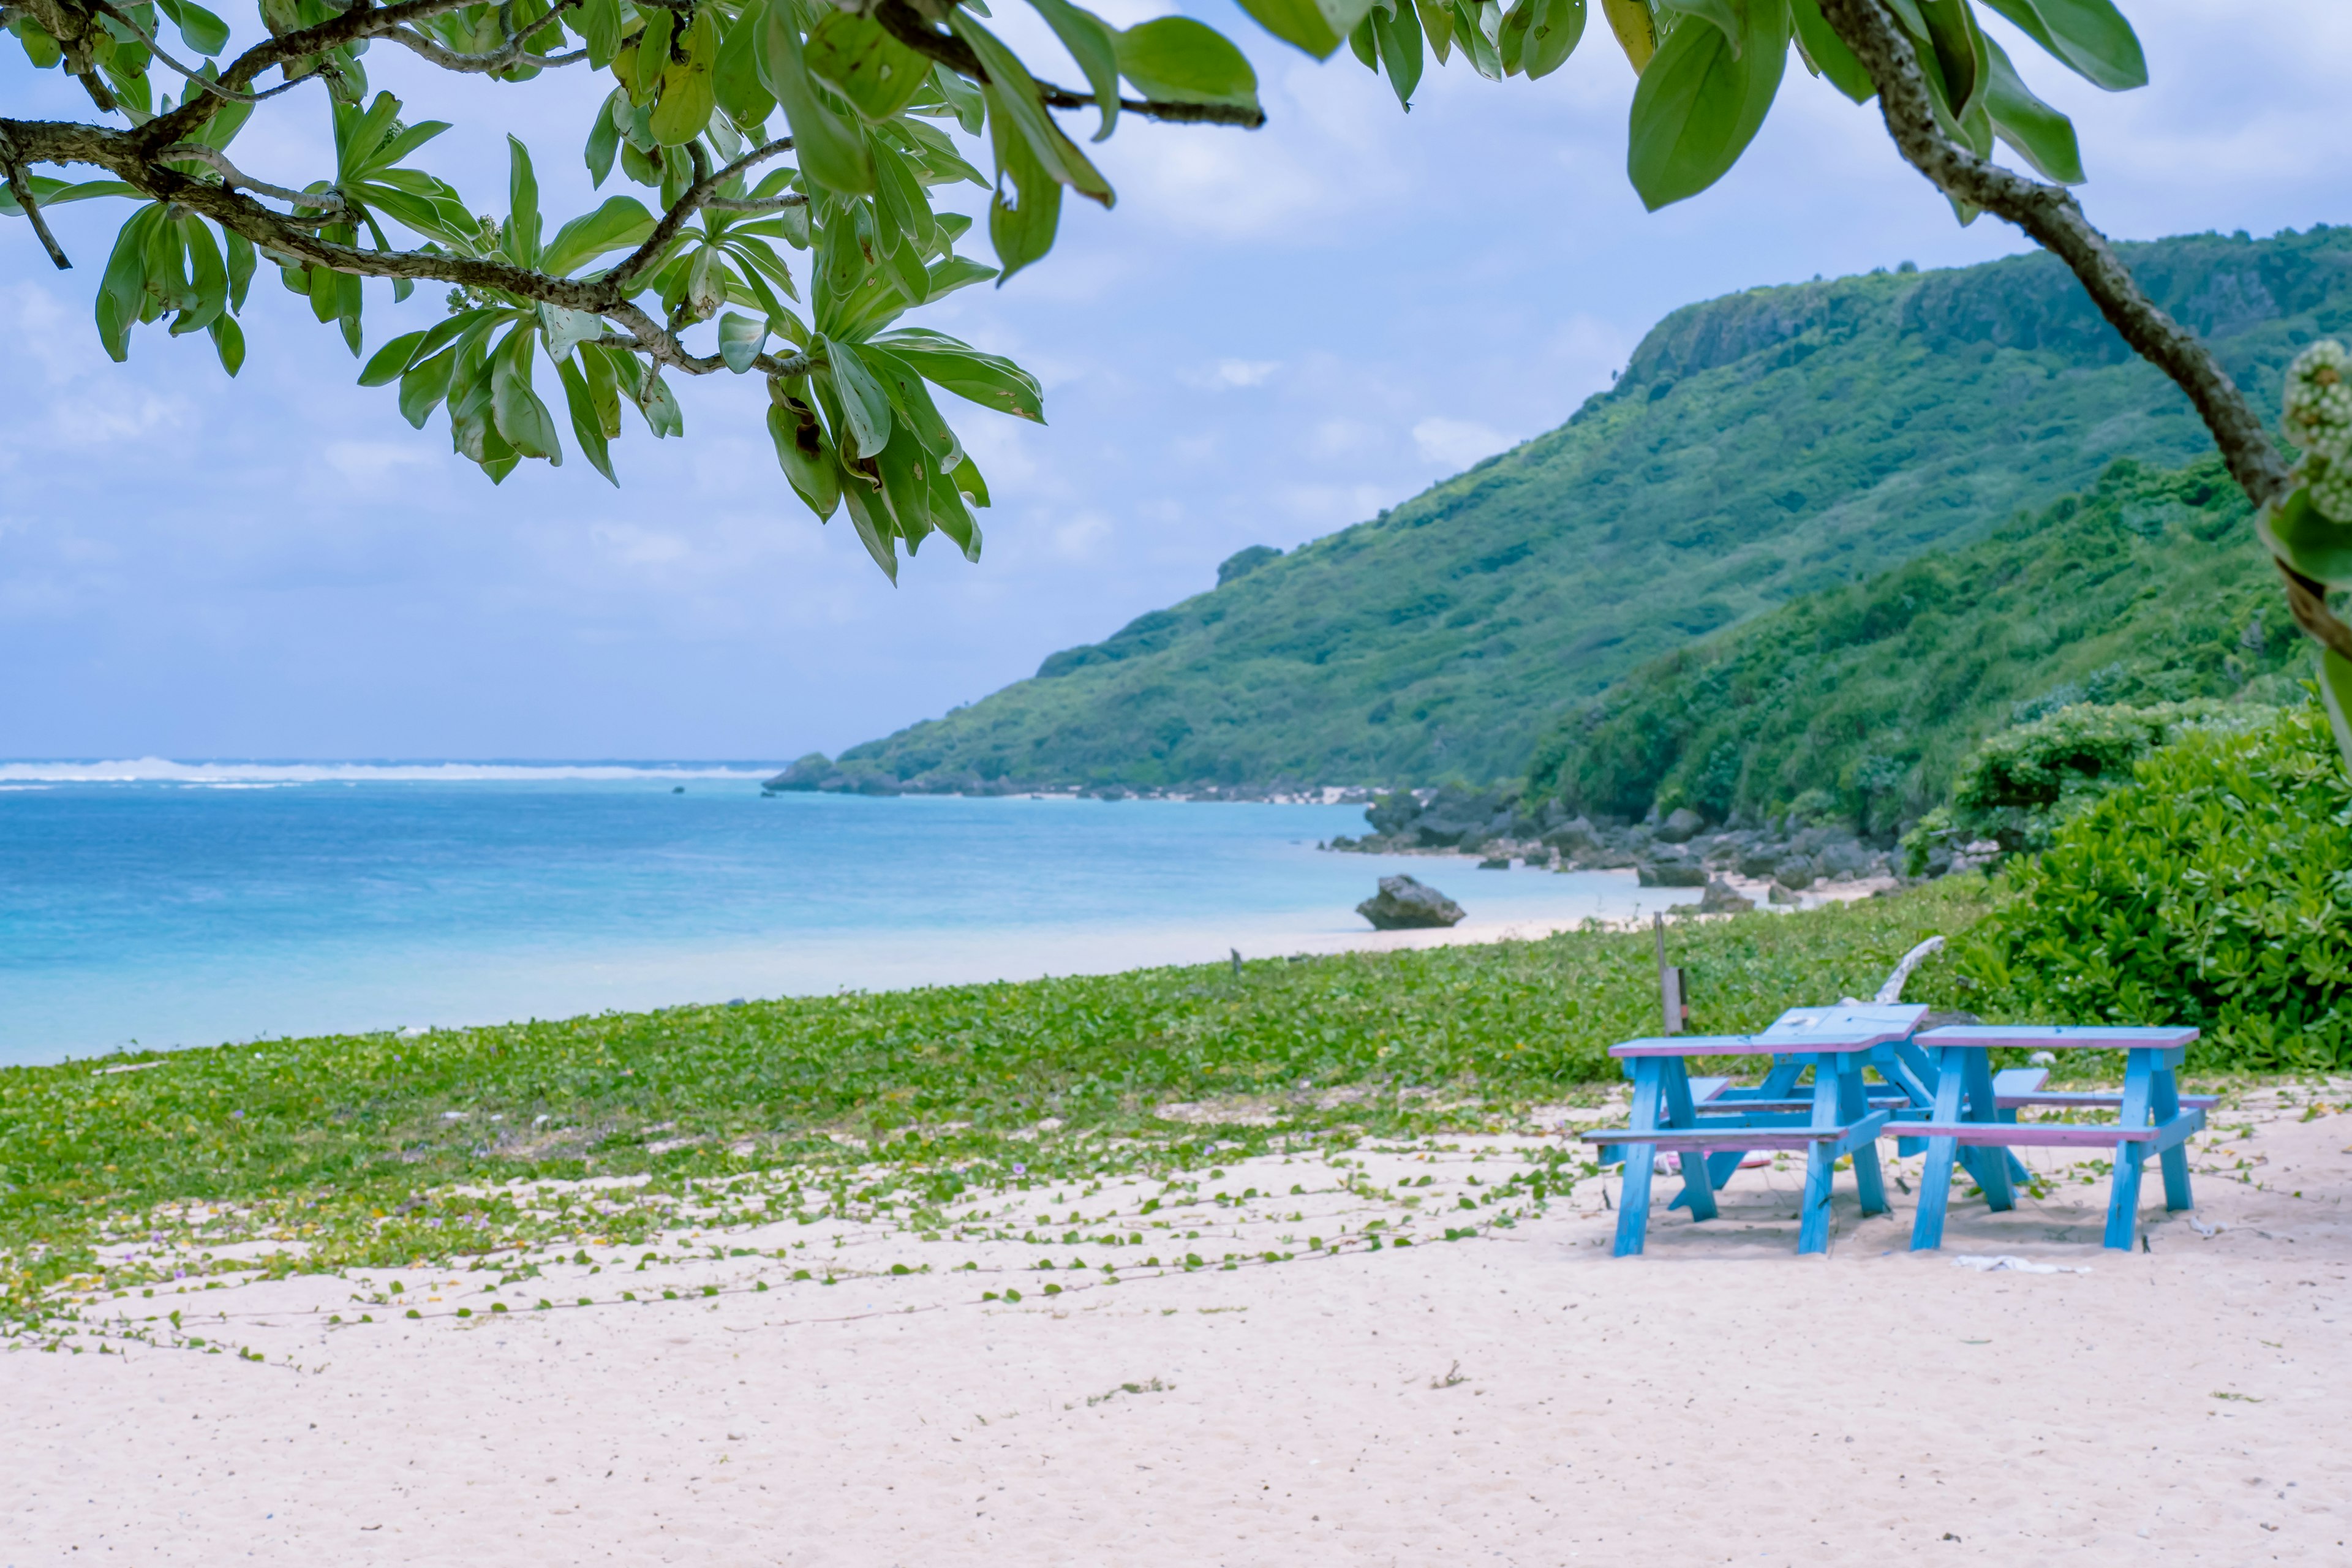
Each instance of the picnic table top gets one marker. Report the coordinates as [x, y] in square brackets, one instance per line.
[1839, 1028]
[2060, 1037]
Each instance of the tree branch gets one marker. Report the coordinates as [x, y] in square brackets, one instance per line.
[2051, 218]
[197, 77]
[505, 56]
[696, 195]
[329, 202]
[22, 189]
[121, 153]
[908, 27]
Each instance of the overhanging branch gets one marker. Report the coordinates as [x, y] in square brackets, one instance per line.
[2053, 219]
[909, 27]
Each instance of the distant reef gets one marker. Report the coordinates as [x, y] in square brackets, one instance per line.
[1752, 492]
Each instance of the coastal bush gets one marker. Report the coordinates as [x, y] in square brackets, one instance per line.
[2215, 890]
[2022, 785]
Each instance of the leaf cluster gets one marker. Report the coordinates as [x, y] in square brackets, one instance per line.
[2216, 890]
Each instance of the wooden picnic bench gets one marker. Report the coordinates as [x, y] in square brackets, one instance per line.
[1973, 1109]
[1839, 1118]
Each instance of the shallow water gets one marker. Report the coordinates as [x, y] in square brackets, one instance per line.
[190, 907]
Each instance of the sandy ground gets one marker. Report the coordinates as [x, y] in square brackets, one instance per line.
[1519, 1399]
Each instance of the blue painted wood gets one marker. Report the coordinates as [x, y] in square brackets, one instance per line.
[1854, 1105]
[2058, 1038]
[1633, 1192]
[1821, 1166]
[1990, 1168]
[1935, 1182]
[2123, 1192]
[2164, 1106]
[1697, 1194]
[1840, 1140]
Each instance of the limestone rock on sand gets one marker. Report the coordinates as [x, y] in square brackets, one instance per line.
[1404, 904]
[1722, 899]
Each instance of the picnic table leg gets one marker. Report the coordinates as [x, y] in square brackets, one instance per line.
[1634, 1193]
[1813, 1224]
[1935, 1182]
[2164, 1100]
[1907, 1066]
[1697, 1191]
[1991, 1166]
[1853, 1104]
[2123, 1193]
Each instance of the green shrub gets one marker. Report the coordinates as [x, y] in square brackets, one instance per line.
[2018, 787]
[2216, 890]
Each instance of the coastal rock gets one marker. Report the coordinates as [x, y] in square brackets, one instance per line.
[1781, 893]
[1681, 827]
[1760, 862]
[1721, 899]
[1496, 863]
[1406, 904]
[1670, 874]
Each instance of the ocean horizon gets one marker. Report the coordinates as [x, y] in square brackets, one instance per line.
[161, 904]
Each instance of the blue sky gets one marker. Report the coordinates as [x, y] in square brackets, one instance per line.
[1274, 334]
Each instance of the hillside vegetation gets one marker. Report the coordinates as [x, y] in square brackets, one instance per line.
[1859, 702]
[1758, 448]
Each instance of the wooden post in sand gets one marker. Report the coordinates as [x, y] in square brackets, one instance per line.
[1670, 983]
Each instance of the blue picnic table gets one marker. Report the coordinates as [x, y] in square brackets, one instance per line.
[1935, 1090]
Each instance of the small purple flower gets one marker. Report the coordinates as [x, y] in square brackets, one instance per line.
[1019, 1169]
[237, 1115]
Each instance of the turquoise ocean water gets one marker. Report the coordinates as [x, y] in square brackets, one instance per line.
[167, 905]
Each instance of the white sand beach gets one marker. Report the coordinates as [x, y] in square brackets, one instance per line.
[1521, 1398]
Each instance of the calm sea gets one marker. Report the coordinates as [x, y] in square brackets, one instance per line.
[164, 905]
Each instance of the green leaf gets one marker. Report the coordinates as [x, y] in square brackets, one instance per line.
[1827, 53]
[240, 272]
[858, 56]
[1558, 27]
[561, 329]
[2042, 137]
[864, 404]
[199, 28]
[1174, 59]
[900, 195]
[1092, 42]
[737, 81]
[392, 360]
[1398, 32]
[963, 96]
[1316, 26]
[687, 92]
[1366, 47]
[832, 152]
[1729, 16]
[1959, 53]
[604, 139]
[2308, 540]
[740, 339]
[655, 400]
[1022, 222]
[1436, 24]
[2335, 693]
[1012, 92]
[1636, 30]
[228, 342]
[911, 405]
[515, 409]
[652, 57]
[871, 532]
[424, 387]
[587, 429]
[600, 29]
[521, 231]
[620, 223]
[969, 482]
[1698, 104]
[803, 453]
[987, 379]
[2089, 36]
[122, 293]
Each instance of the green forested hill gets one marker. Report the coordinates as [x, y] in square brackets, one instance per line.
[1860, 701]
[1758, 448]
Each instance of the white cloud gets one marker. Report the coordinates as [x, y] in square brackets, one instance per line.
[1229, 373]
[1457, 443]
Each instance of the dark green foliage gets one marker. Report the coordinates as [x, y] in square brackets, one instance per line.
[2217, 892]
[2017, 788]
[1758, 448]
[1867, 698]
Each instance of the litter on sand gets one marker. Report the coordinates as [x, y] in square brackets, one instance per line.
[2014, 1264]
